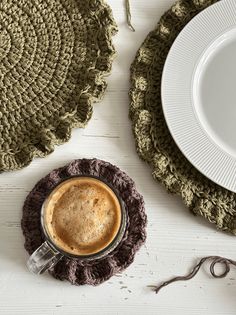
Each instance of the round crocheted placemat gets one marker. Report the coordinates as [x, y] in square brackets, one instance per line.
[153, 140]
[97, 271]
[54, 56]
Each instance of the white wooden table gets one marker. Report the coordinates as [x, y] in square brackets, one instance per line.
[175, 237]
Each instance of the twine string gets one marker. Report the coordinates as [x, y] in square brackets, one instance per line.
[225, 262]
[128, 15]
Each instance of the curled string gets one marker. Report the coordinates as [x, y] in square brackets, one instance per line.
[128, 15]
[215, 260]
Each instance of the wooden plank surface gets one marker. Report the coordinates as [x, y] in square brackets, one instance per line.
[175, 237]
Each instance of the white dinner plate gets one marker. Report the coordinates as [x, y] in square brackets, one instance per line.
[199, 92]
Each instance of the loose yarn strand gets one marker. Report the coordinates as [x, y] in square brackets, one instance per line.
[128, 15]
[215, 260]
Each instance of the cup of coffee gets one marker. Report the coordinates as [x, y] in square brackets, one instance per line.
[83, 218]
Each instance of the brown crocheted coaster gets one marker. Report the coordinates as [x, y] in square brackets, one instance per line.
[98, 271]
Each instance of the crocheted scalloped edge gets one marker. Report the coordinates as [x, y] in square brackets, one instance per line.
[98, 271]
[170, 167]
[60, 132]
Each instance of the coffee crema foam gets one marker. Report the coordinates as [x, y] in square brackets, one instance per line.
[82, 216]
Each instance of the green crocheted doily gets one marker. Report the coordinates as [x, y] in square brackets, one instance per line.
[54, 55]
[153, 140]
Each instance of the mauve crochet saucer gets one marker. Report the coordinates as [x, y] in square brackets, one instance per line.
[97, 271]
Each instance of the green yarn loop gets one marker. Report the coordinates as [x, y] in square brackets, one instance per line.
[128, 15]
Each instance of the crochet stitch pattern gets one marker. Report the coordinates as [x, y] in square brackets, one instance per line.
[153, 140]
[54, 56]
[100, 270]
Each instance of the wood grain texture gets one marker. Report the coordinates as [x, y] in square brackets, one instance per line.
[175, 237]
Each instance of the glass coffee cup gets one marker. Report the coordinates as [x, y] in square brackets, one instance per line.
[82, 218]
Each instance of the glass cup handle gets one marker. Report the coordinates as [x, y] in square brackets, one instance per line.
[43, 258]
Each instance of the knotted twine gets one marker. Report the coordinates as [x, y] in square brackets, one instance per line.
[225, 262]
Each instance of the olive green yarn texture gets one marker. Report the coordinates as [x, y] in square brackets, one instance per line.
[153, 140]
[54, 56]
